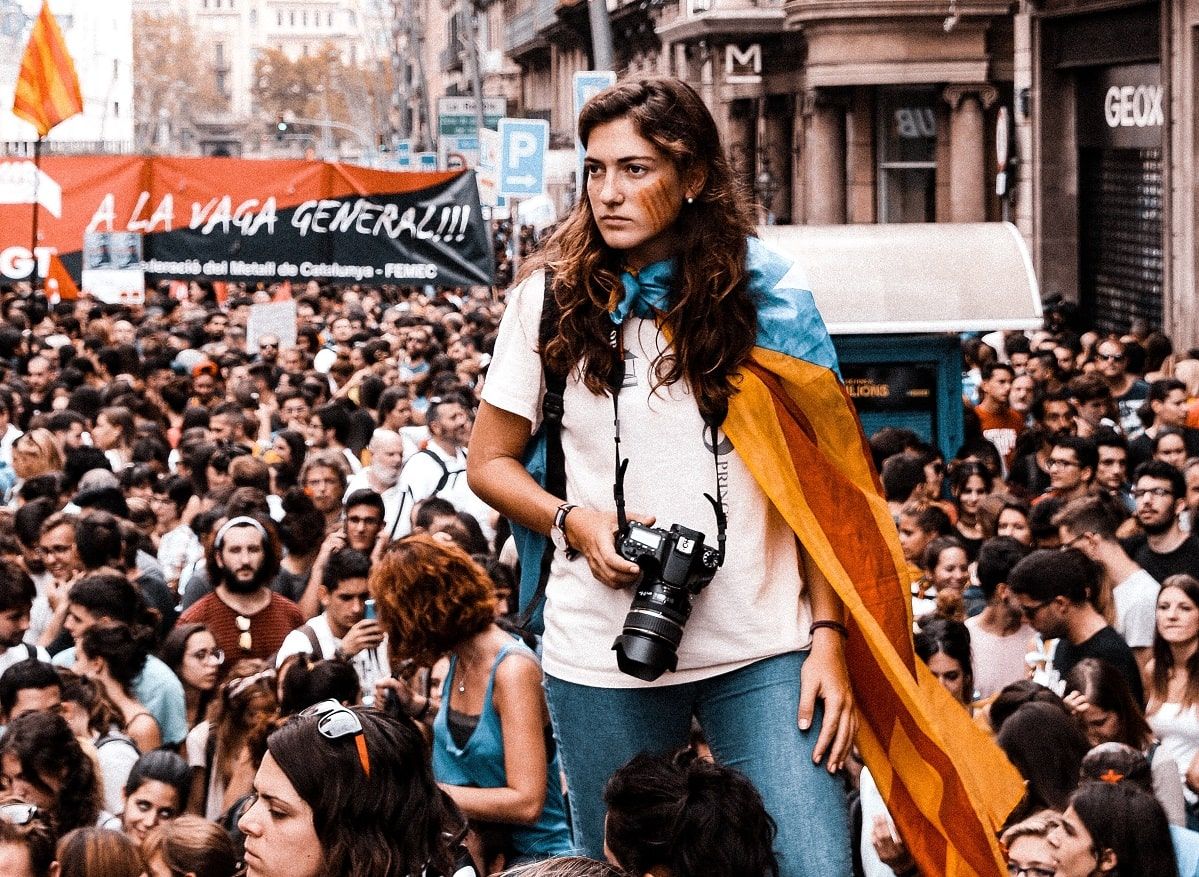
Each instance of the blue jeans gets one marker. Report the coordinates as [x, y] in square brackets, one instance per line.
[749, 717]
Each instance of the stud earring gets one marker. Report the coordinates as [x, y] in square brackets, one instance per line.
[690, 199]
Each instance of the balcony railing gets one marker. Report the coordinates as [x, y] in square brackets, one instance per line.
[527, 27]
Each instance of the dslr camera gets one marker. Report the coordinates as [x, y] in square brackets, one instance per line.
[675, 566]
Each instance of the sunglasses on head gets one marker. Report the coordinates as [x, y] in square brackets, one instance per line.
[334, 721]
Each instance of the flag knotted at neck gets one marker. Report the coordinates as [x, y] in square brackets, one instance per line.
[646, 292]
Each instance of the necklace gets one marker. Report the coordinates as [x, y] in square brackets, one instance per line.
[460, 673]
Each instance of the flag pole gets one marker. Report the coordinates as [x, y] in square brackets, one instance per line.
[37, 178]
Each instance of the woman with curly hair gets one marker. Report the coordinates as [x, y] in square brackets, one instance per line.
[662, 294]
[43, 764]
[493, 751]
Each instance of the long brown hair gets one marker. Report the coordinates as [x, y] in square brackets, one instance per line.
[1163, 655]
[712, 320]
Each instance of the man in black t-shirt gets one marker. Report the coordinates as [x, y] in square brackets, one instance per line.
[1163, 550]
[1054, 590]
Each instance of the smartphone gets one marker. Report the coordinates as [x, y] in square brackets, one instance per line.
[370, 611]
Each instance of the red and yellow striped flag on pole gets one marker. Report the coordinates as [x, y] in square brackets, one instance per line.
[48, 87]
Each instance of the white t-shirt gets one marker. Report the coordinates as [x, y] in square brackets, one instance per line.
[998, 660]
[370, 664]
[1136, 609]
[421, 475]
[755, 607]
[23, 652]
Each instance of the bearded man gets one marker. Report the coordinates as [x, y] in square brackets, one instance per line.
[247, 618]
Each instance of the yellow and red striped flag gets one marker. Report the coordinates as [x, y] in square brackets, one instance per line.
[947, 785]
[48, 87]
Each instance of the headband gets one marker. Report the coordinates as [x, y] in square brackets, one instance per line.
[240, 521]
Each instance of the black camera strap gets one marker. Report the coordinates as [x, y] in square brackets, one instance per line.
[615, 382]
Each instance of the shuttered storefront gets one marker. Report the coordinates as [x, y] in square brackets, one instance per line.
[1122, 269]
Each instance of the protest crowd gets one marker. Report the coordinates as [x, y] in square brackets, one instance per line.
[256, 618]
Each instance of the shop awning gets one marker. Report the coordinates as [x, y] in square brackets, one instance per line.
[915, 278]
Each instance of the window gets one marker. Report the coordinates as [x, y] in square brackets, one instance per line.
[304, 17]
[220, 54]
[279, 17]
[116, 109]
[907, 161]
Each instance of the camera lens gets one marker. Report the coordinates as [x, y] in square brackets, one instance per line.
[648, 644]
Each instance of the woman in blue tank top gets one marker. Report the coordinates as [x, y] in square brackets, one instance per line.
[493, 751]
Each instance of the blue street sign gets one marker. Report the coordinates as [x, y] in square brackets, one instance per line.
[523, 147]
[587, 84]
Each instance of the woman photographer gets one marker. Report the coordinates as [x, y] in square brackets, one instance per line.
[662, 294]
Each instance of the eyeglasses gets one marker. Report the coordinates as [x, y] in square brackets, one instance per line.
[19, 813]
[1155, 492]
[245, 641]
[1110, 357]
[1015, 870]
[334, 721]
[1070, 544]
[216, 656]
[1030, 612]
[1056, 462]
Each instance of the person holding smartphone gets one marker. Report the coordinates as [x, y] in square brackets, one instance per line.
[343, 629]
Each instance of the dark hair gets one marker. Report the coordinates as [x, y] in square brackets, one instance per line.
[307, 682]
[996, 559]
[355, 816]
[1162, 471]
[934, 550]
[1015, 694]
[79, 461]
[1129, 822]
[1040, 518]
[1101, 514]
[1046, 574]
[1104, 687]
[29, 518]
[303, 527]
[1163, 655]
[43, 744]
[1046, 746]
[961, 473]
[164, 767]
[431, 508]
[1084, 449]
[944, 636]
[123, 648]
[334, 416]
[690, 818]
[929, 518]
[177, 489]
[901, 475]
[344, 565]
[28, 674]
[712, 319]
[1128, 761]
[988, 369]
[367, 497]
[110, 595]
[16, 587]
[270, 555]
[98, 540]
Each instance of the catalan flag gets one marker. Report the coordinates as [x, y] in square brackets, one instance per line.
[947, 785]
[47, 87]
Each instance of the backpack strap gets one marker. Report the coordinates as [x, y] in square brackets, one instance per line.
[552, 408]
[313, 641]
[445, 470]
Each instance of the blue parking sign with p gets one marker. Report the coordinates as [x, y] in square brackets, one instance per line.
[523, 147]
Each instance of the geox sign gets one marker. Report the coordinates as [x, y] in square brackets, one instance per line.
[1122, 107]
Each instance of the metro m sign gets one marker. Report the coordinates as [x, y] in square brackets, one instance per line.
[743, 65]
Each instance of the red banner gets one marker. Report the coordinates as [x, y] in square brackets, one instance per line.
[246, 220]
